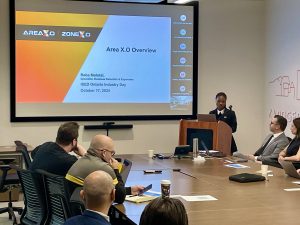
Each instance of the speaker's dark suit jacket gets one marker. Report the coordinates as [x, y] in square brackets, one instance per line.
[87, 218]
[228, 117]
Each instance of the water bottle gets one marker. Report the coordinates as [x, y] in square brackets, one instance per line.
[195, 148]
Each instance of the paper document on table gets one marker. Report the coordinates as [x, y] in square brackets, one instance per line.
[292, 189]
[237, 166]
[199, 198]
[296, 182]
[269, 171]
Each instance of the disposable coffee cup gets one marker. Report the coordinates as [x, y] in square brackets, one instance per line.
[150, 153]
[165, 188]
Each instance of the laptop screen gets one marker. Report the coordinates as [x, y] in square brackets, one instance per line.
[202, 134]
[207, 117]
[126, 167]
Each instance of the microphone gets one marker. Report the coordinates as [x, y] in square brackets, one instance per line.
[230, 107]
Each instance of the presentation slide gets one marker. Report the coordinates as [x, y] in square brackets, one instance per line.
[135, 59]
[116, 69]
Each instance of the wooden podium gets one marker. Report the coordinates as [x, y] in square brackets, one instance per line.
[222, 133]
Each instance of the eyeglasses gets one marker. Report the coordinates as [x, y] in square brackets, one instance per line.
[111, 152]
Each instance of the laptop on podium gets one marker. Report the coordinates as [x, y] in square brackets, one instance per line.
[207, 117]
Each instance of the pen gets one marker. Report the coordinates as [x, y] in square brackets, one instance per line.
[179, 170]
[187, 174]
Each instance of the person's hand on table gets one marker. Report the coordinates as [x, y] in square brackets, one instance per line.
[251, 157]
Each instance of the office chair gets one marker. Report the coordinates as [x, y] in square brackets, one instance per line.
[7, 183]
[35, 210]
[21, 147]
[58, 197]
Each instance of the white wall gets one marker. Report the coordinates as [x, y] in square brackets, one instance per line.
[231, 59]
[283, 64]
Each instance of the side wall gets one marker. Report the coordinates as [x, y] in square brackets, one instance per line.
[282, 87]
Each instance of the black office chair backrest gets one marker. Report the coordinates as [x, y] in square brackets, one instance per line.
[7, 183]
[5, 178]
[58, 197]
[23, 149]
[35, 211]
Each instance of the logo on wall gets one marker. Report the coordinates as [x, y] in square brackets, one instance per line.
[286, 87]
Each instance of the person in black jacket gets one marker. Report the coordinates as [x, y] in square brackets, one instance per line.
[54, 157]
[227, 115]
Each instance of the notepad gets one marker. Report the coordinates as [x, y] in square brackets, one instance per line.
[139, 198]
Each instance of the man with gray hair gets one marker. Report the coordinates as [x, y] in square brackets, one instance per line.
[97, 200]
[99, 156]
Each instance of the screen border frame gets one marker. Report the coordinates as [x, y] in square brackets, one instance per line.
[15, 118]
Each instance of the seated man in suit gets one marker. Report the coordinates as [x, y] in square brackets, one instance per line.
[99, 156]
[97, 200]
[272, 145]
[226, 115]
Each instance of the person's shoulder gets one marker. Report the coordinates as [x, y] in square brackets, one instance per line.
[94, 218]
[73, 220]
[44, 145]
[41, 148]
[94, 162]
[90, 218]
[297, 141]
[213, 111]
[281, 140]
[283, 137]
[229, 112]
[87, 218]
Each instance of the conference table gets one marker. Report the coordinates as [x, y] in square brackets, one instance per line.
[255, 203]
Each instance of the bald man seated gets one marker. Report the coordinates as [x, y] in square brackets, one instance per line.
[97, 200]
[99, 156]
